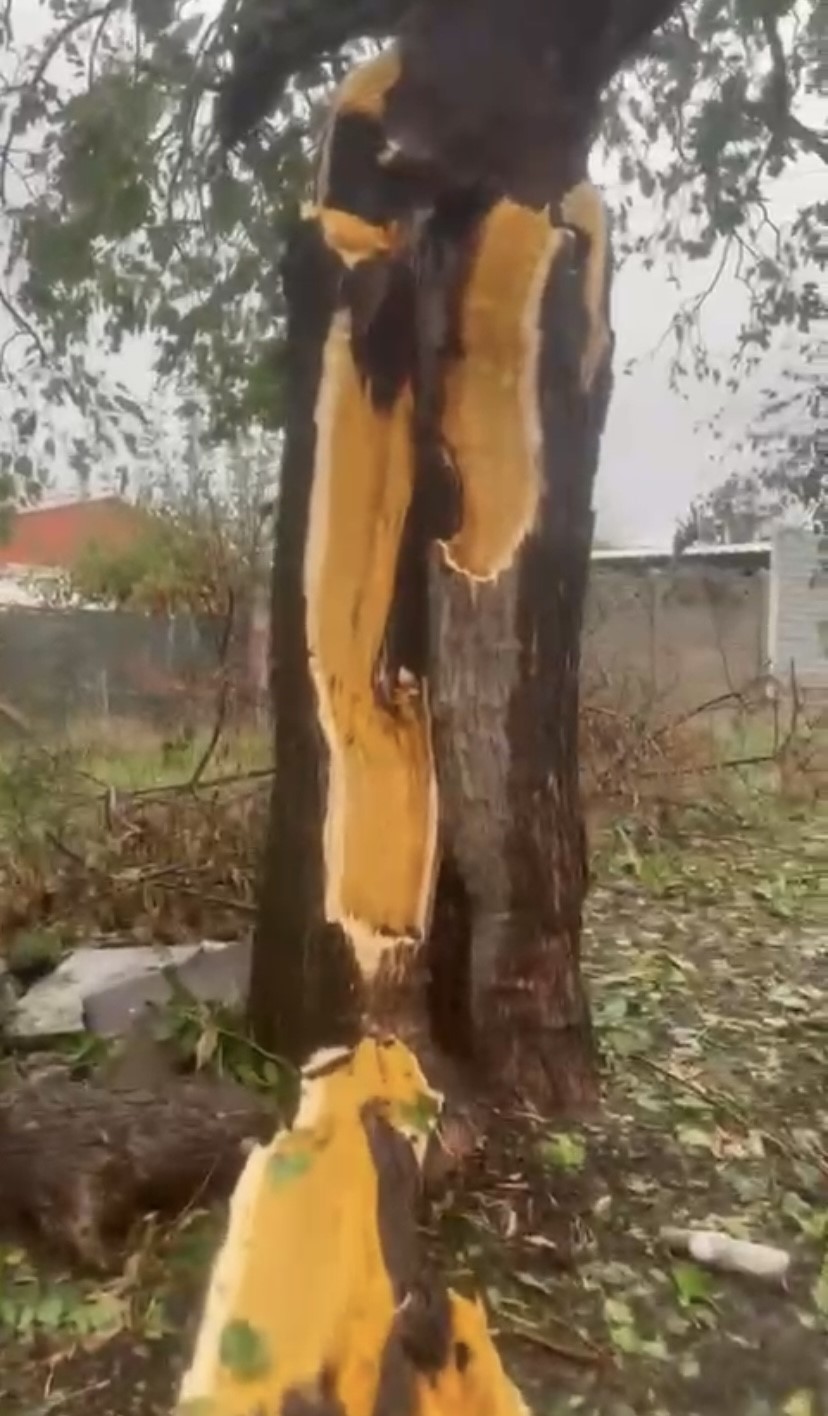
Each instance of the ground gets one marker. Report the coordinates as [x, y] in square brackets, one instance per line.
[707, 951]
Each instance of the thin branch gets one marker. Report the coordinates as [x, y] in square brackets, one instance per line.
[23, 325]
[50, 52]
[224, 692]
[583, 1355]
[109, 11]
[721, 1101]
[807, 138]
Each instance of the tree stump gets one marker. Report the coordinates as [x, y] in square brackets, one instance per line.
[319, 1302]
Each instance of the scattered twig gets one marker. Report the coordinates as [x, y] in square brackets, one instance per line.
[220, 901]
[60, 1398]
[224, 691]
[721, 1102]
[172, 788]
[589, 1354]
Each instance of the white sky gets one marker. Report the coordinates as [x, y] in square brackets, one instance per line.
[659, 450]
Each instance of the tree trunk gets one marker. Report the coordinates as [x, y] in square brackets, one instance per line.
[505, 674]
[425, 869]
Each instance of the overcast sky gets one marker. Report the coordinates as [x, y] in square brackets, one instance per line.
[659, 450]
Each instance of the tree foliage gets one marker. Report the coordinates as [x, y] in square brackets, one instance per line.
[122, 220]
[781, 472]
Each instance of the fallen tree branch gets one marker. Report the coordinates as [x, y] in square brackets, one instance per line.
[80, 1162]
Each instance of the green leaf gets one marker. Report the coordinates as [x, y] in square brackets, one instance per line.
[51, 1311]
[243, 1351]
[626, 1339]
[819, 1292]
[694, 1138]
[618, 1313]
[565, 1151]
[692, 1284]
[285, 1166]
[418, 1115]
[799, 1403]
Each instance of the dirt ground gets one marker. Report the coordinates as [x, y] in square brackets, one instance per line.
[707, 951]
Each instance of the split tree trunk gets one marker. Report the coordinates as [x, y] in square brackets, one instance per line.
[426, 868]
[505, 672]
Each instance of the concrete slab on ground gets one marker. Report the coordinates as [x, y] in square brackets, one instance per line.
[105, 989]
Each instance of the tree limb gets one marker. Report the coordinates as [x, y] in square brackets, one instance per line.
[806, 137]
[777, 104]
[52, 48]
[271, 40]
[23, 325]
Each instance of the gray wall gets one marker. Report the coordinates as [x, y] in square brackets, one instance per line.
[674, 636]
[799, 607]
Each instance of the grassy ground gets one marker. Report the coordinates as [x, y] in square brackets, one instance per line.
[707, 951]
[124, 756]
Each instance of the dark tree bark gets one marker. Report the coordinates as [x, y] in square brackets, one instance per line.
[450, 352]
[80, 1163]
[505, 663]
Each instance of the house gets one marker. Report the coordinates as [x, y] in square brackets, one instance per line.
[54, 535]
[47, 540]
[61, 659]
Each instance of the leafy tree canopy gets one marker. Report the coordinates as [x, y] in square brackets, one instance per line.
[120, 219]
[781, 470]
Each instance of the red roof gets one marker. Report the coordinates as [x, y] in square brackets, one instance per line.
[59, 535]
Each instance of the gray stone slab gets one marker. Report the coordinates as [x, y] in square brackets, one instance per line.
[215, 973]
[54, 1006]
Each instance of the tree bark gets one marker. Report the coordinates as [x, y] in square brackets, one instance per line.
[349, 867]
[449, 353]
[505, 665]
[80, 1163]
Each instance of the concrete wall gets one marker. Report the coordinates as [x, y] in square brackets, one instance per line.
[672, 636]
[799, 607]
[676, 635]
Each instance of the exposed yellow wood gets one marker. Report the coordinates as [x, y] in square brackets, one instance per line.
[381, 822]
[364, 89]
[480, 1389]
[300, 1286]
[352, 238]
[302, 1265]
[491, 420]
[583, 207]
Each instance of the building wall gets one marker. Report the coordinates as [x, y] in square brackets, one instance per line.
[675, 636]
[799, 607]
